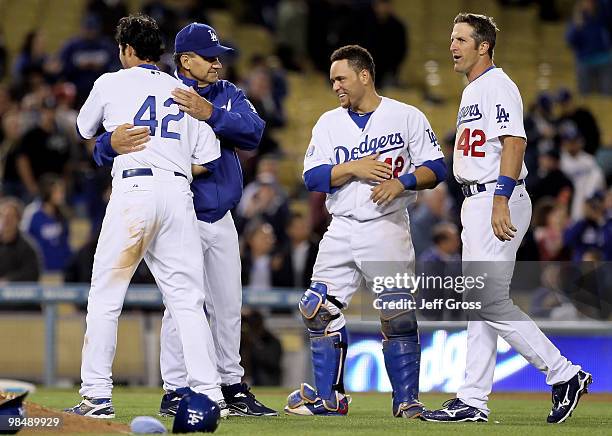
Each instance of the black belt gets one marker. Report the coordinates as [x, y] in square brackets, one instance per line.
[135, 172]
[481, 187]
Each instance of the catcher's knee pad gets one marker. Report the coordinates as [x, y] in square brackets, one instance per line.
[397, 320]
[328, 338]
[320, 312]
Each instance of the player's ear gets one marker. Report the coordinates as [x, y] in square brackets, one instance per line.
[364, 75]
[483, 48]
[185, 61]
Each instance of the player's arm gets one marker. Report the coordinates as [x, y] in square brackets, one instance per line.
[327, 177]
[240, 124]
[513, 151]
[425, 176]
[124, 139]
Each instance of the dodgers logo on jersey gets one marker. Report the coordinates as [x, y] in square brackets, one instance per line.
[369, 146]
[468, 114]
[432, 138]
[502, 115]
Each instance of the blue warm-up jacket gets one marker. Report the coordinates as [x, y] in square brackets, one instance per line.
[237, 124]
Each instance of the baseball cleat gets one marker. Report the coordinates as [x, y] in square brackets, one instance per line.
[409, 410]
[565, 396]
[101, 408]
[454, 410]
[241, 401]
[305, 402]
[171, 399]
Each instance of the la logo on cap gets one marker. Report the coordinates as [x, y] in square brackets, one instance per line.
[213, 36]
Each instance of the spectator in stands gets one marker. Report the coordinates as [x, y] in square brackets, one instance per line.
[291, 34]
[87, 56]
[297, 257]
[34, 58]
[258, 257]
[383, 26]
[549, 180]
[590, 39]
[446, 244]
[580, 167]
[43, 149]
[265, 199]
[19, 260]
[540, 129]
[593, 232]
[11, 133]
[549, 300]
[431, 208]
[582, 117]
[166, 18]
[441, 260]
[109, 12]
[46, 222]
[550, 220]
[261, 352]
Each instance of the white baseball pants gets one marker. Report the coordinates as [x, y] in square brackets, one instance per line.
[223, 290]
[480, 245]
[150, 217]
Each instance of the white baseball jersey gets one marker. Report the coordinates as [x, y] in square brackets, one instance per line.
[177, 139]
[491, 107]
[399, 132]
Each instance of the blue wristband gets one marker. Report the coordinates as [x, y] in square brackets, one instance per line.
[408, 180]
[505, 186]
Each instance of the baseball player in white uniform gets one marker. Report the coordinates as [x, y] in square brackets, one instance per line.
[150, 214]
[488, 162]
[370, 156]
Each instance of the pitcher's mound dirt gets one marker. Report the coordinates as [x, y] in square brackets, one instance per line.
[70, 423]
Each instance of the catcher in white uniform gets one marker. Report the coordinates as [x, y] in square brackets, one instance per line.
[488, 162]
[150, 214]
[370, 156]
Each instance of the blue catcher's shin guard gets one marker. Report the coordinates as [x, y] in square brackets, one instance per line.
[328, 356]
[328, 347]
[402, 353]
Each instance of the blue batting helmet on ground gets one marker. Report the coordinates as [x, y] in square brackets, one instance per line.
[11, 408]
[196, 413]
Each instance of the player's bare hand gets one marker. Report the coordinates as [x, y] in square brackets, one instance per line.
[502, 225]
[192, 103]
[369, 168]
[386, 191]
[127, 139]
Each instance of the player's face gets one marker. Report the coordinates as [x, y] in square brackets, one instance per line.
[463, 48]
[203, 69]
[346, 84]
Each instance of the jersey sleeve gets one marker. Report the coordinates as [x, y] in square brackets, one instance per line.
[422, 142]
[317, 152]
[91, 113]
[208, 147]
[504, 112]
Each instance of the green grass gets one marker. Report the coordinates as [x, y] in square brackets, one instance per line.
[370, 414]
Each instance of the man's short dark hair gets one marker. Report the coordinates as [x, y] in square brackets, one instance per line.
[484, 27]
[143, 34]
[358, 58]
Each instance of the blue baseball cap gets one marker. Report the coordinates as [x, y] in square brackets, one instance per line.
[201, 39]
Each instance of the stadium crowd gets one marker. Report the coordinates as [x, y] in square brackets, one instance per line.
[48, 177]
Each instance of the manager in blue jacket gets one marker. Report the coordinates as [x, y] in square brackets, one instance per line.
[234, 120]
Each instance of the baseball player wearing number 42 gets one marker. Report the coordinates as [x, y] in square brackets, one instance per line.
[370, 156]
[222, 106]
[150, 214]
[488, 162]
